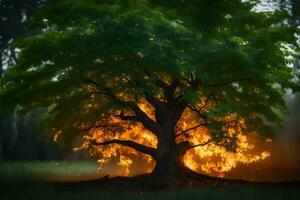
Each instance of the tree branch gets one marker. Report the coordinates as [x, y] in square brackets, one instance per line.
[206, 102]
[192, 128]
[152, 100]
[140, 115]
[126, 117]
[128, 143]
[147, 122]
[87, 129]
[197, 111]
[158, 81]
[188, 146]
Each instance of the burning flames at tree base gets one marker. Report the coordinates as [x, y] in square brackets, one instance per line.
[210, 158]
[279, 166]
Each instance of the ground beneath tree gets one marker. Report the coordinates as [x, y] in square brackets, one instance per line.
[142, 187]
[14, 186]
[150, 183]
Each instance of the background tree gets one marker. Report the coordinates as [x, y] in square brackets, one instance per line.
[104, 67]
[293, 8]
[12, 15]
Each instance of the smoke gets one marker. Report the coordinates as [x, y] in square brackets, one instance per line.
[284, 162]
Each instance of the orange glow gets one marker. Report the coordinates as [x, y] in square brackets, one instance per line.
[212, 159]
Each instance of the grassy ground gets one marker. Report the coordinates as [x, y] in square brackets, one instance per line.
[48, 171]
[64, 180]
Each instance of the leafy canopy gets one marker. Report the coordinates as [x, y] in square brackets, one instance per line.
[88, 53]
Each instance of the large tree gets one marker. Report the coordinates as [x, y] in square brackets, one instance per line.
[102, 67]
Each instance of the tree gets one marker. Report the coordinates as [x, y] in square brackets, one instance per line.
[102, 67]
[293, 7]
[12, 15]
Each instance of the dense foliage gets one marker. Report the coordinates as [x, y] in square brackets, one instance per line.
[12, 15]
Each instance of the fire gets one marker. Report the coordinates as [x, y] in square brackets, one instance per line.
[215, 159]
[212, 158]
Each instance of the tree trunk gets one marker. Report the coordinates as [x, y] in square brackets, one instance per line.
[168, 165]
[1, 64]
[169, 160]
[1, 151]
[169, 155]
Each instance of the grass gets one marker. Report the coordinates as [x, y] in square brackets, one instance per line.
[48, 171]
[59, 180]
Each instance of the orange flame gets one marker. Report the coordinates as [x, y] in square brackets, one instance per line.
[212, 159]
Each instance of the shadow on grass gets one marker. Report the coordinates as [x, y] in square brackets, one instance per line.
[17, 183]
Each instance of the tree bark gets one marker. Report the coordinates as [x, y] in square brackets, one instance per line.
[169, 162]
[1, 151]
[1, 64]
[169, 156]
